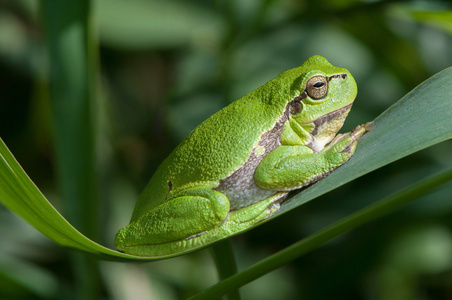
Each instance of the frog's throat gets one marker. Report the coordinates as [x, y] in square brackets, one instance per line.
[326, 127]
[334, 116]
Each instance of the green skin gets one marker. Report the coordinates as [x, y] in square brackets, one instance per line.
[235, 168]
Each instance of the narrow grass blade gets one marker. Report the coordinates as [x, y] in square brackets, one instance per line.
[20, 195]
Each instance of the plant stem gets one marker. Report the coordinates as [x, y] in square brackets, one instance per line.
[223, 257]
[71, 53]
[314, 241]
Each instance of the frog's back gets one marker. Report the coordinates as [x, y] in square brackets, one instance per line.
[221, 144]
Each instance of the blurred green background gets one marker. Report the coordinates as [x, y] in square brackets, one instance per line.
[164, 67]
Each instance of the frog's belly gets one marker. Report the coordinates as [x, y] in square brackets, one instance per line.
[243, 191]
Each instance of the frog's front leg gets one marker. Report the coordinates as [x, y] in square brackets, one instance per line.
[188, 213]
[291, 167]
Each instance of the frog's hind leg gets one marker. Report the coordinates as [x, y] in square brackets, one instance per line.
[188, 214]
[240, 220]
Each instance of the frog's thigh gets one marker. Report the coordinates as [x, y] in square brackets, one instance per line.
[191, 212]
[290, 167]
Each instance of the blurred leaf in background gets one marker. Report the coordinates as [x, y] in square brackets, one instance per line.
[168, 65]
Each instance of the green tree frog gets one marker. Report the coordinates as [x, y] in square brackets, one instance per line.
[234, 170]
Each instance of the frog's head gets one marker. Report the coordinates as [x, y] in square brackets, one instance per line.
[327, 94]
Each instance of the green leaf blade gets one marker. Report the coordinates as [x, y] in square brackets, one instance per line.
[20, 195]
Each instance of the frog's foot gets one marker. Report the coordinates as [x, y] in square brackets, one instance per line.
[237, 221]
[257, 212]
[360, 130]
[347, 142]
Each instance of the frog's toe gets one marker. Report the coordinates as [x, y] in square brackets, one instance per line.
[350, 148]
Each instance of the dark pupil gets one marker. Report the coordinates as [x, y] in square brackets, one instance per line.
[318, 84]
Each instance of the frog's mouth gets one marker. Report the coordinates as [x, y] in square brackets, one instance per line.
[327, 126]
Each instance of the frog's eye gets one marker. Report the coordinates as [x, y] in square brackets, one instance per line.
[317, 87]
